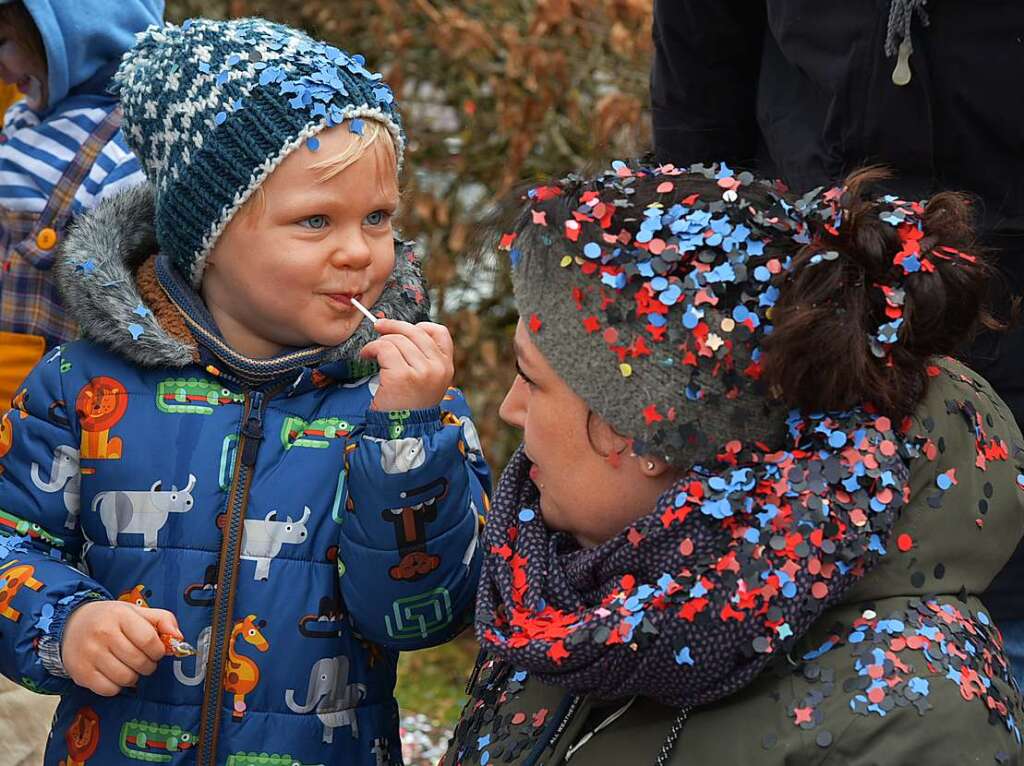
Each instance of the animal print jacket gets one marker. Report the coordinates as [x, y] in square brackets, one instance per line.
[301, 540]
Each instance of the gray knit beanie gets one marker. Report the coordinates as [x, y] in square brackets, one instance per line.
[649, 291]
[212, 107]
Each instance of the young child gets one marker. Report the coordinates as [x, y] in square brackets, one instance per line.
[61, 152]
[248, 482]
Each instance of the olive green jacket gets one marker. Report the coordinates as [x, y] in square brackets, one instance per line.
[907, 670]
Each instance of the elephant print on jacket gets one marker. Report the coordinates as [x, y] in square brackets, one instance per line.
[101, 404]
[331, 695]
[64, 475]
[141, 512]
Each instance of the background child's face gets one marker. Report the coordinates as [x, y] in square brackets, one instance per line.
[284, 275]
[24, 67]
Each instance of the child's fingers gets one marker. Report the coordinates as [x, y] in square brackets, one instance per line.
[441, 337]
[417, 333]
[133, 656]
[100, 684]
[162, 620]
[145, 636]
[405, 353]
[115, 671]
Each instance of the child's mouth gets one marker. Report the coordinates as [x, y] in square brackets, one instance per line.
[344, 299]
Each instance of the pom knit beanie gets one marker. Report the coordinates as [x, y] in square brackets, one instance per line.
[212, 107]
[651, 301]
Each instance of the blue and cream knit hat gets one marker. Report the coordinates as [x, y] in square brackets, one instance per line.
[212, 107]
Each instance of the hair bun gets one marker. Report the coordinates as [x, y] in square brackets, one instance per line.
[883, 286]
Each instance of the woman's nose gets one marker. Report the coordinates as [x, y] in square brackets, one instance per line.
[513, 406]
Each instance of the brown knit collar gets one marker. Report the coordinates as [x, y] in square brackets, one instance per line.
[164, 310]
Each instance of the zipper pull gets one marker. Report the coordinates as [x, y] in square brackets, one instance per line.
[901, 74]
[252, 429]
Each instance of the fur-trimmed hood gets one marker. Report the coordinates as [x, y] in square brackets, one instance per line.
[96, 274]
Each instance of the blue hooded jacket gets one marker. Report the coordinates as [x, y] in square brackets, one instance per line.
[86, 38]
[301, 539]
[84, 42]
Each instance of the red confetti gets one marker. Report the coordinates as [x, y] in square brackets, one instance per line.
[535, 324]
[651, 414]
[904, 542]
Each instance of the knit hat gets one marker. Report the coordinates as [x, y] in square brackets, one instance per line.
[212, 107]
[653, 312]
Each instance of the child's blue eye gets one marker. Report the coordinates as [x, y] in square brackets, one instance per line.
[378, 218]
[314, 222]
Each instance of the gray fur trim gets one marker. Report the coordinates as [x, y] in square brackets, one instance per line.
[95, 272]
[96, 267]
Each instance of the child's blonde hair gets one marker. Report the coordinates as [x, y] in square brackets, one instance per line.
[374, 136]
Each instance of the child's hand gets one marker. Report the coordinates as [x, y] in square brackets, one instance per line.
[107, 645]
[416, 366]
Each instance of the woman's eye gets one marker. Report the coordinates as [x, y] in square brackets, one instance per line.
[378, 218]
[314, 222]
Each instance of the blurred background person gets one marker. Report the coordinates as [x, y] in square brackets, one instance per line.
[61, 152]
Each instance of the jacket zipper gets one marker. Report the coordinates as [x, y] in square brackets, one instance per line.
[227, 575]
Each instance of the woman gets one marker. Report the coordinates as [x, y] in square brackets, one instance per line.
[753, 504]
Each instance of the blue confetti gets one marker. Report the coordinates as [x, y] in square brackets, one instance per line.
[526, 515]
[683, 656]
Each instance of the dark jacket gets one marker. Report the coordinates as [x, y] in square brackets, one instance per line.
[907, 669]
[341, 535]
[803, 90]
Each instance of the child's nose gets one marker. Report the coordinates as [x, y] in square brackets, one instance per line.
[351, 251]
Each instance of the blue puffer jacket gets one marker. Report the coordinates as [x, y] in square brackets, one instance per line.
[300, 539]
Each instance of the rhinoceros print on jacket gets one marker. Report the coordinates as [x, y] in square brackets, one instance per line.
[262, 539]
[141, 512]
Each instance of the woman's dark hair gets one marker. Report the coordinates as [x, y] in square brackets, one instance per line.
[820, 355]
[17, 23]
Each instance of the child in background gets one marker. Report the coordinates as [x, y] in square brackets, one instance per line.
[61, 151]
[262, 472]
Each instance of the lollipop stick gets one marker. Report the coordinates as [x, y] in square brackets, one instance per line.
[364, 311]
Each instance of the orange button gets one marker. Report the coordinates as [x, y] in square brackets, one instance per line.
[46, 238]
